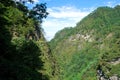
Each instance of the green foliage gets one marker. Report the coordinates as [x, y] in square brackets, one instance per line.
[22, 63]
[20, 55]
[94, 41]
[7, 3]
[39, 12]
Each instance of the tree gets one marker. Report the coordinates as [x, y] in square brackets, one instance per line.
[39, 12]
[20, 58]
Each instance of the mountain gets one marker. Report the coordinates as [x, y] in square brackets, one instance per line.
[91, 50]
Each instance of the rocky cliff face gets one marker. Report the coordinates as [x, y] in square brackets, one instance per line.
[102, 76]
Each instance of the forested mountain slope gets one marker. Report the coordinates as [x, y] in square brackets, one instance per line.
[91, 50]
[24, 52]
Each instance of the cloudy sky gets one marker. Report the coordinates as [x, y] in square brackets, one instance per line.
[66, 13]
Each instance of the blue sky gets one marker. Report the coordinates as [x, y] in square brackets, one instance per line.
[66, 13]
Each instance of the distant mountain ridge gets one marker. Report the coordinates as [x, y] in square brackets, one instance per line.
[91, 50]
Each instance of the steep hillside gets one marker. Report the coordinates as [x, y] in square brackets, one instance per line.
[24, 52]
[91, 50]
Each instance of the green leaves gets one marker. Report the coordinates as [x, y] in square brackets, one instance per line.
[39, 12]
[20, 55]
[95, 40]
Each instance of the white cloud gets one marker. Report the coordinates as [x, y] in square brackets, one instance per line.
[112, 3]
[61, 17]
[36, 1]
[66, 12]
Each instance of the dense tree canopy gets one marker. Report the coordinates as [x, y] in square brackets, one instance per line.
[79, 53]
[20, 55]
[90, 50]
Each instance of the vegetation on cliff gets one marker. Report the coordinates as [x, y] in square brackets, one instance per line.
[89, 51]
[93, 46]
[24, 52]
